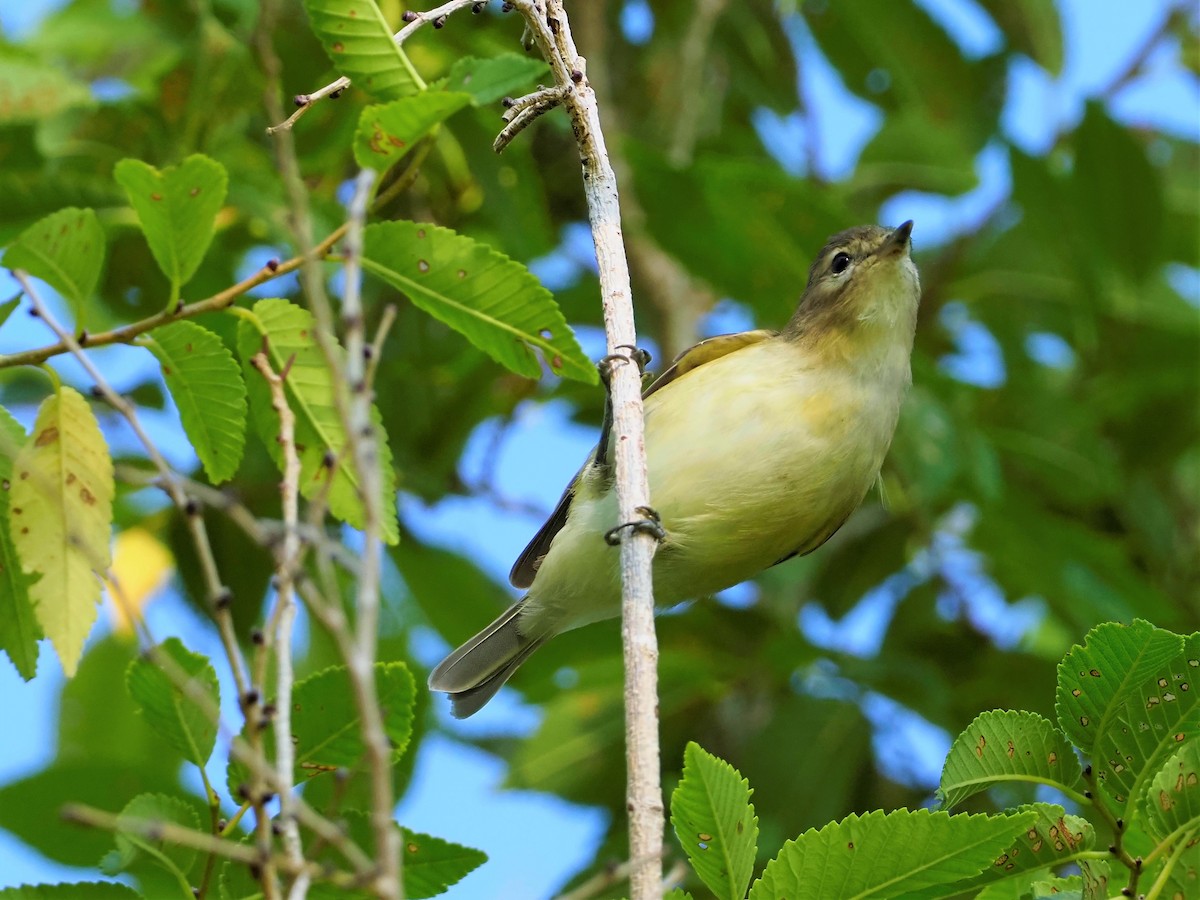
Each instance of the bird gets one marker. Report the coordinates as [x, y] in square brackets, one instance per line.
[759, 446]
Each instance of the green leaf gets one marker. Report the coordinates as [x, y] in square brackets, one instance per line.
[19, 630]
[387, 132]
[1032, 27]
[715, 823]
[431, 865]
[496, 303]
[1122, 699]
[65, 250]
[1007, 745]
[887, 854]
[287, 331]
[206, 383]
[358, 40]
[136, 852]
[1171, 805]
[7, 307]
[178, 208]
[79, 890]
[326, 727]
[177, 691]
[31, 92]
[60, 519]
[488, 80]
[1052, 840]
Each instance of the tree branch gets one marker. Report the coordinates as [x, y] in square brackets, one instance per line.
[547, 23]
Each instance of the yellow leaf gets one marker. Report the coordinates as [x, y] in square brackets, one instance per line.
[141, 565]
[60, 517]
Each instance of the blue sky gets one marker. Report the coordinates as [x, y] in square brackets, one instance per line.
[455, 794]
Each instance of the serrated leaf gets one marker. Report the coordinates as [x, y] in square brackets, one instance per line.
[488, 80]
[1171, 804]
[19, 630]
[359, 42]
[168, 686]
[30, 92]
[715, 823]
[387, 132]
[1051, 840]
[66, 250]
[326, 727]
[887, 854]
[1007, 745]
[287, 331]
[135, 850]
[78, 890]
[177, 207]
[1125, 698]
[60, 518]
[207, 386]
[495, 302]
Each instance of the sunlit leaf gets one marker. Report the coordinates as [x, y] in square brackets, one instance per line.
[19, 630]
[493, 301]
[715, 823]
[887, 854]
[177, 207]
[65, 250]
[287, 333]
[388, 131]
[60, 517]
[178, 694]
[30, 92]
[207, 386]
[358, 40]
[141, 566]
[1007, 745]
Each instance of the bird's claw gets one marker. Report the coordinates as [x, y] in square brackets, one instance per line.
[636, 355]
[651, 525]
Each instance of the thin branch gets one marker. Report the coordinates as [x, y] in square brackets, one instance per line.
[280, 635]
[551, 31]
[436, 17]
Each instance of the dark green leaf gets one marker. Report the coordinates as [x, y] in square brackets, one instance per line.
[1032, 27]
[79, 890]
[487, 80]
[135, 851]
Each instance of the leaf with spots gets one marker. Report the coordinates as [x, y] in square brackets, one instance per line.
[1053, 839]
[1170, 807]
[178, 208]
[900, 853]
[493, 301]
[327, 728]
[19, 630]
[1006, 746]
[487, 80]
[60, 519]
[287, 331]
[1127, 698]
[388, 131]
[177, 692]
[206, 383]
[715, 823]
[358, 40]
[65, 250]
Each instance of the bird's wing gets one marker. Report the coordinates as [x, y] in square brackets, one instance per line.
[706, 351]
[526, 566]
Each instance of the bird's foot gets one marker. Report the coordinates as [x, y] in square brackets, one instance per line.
[651, 525]
[608, 364]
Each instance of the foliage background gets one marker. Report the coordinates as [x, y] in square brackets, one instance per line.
[1045, 476]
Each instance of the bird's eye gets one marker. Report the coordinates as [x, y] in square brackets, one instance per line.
[841, 261]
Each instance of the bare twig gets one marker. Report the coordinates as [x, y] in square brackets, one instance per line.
[547, 23]
[279, 634]
[524, 111]
[436, 17]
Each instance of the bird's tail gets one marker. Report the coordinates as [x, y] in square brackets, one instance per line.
[473, 673]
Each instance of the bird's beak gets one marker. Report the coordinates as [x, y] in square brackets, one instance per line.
[898, 240]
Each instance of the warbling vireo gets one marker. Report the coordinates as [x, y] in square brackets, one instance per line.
[759, 446]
